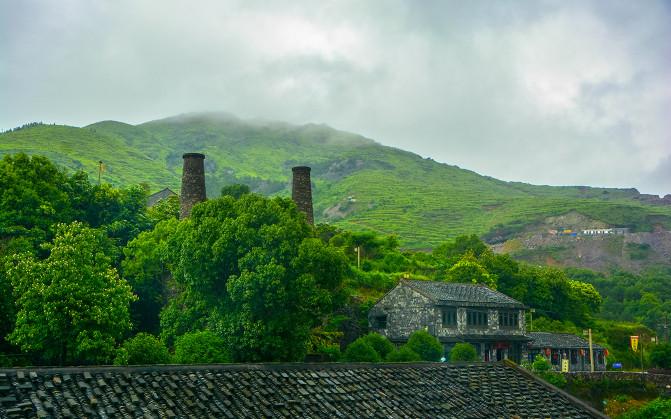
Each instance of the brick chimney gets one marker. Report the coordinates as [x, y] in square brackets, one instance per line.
[193, 183]
[301, 191]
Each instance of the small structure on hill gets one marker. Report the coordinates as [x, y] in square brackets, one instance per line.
[556, 347]
[453, 312]
[425, 390]
[159, 196]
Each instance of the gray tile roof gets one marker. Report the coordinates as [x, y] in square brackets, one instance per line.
[429, 390]
[559, 340]
[159, 196]
[465, 294]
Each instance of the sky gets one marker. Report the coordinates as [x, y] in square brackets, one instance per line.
[545, 92]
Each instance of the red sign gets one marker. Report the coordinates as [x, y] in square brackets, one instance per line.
[548, 351]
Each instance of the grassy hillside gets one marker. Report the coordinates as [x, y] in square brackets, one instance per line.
[358, 183]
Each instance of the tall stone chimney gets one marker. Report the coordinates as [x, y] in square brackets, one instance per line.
[301, 191]
[193, 183]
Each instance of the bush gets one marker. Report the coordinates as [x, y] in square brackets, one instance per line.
[200, 348]
[425, 345]
[660, 356]
[361, 351]
[542, 368]
[463, 352]
[380, 343]
[142, 349]
[403, 354]
[656, 409]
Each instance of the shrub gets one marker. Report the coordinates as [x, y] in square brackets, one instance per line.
[656, 409]
[425, 345]
[463, 352]
[403, 354]
[142, 349]
[660, 356]
[380, 343]
[202, 347]
[361, 351]
[542, 368]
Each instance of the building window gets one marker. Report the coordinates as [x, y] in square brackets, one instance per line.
[476, 318]
[508, 319]
[449, 317]
[380, 322]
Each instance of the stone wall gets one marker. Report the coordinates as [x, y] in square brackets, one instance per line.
[659, 380]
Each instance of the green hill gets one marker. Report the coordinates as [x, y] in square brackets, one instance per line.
[359, 184]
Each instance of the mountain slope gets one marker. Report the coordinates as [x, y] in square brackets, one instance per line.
[358, 183]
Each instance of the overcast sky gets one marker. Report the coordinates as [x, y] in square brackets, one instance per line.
[561, 93]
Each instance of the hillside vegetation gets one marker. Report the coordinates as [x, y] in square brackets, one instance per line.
[358, 183]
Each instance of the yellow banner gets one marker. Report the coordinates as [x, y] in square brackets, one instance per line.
[634, 343]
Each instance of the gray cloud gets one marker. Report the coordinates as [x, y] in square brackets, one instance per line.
[556, 92]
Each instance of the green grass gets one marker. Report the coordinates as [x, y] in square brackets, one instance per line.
[421, 201]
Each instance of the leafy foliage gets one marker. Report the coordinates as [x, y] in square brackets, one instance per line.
[403, 354]
[203, 347]
[380, 343]
[72, 306]
[142, 349]
[426, 346]
[463, 352]
[660, 356]
[657, 409]
[263, 282]
[235, 190]
[543, 369]
[361, 351]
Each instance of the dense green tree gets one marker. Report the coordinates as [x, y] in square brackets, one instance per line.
[452, 251]
[142, 349]
[468, 270]
[403, 354]
[425, 345]
[203, 347]
[164, 210]
[262, 280]
[463, 352]
[236, 190]
[145, 268]
[72, 307]
[361, 351]
[380, 343]
[660, 356]
[543, 369]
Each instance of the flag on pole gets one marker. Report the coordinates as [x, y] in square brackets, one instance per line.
[633, 340]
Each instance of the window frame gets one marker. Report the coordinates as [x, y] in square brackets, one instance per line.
[509, 319]
[478, 319]
[448, 313]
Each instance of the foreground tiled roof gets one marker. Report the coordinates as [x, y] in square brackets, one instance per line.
[426, 390]
[452, 292]
[559, 340]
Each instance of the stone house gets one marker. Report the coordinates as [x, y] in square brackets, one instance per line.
[558, 346]
[453, 312]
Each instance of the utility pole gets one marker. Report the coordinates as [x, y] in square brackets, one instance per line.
[358, 257]
[531, 318]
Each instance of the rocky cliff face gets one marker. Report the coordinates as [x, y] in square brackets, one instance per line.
[560, 242]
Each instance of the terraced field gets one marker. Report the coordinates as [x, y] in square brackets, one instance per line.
[358, 183]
